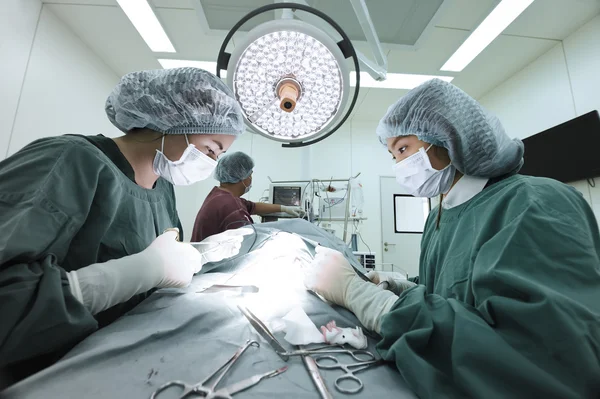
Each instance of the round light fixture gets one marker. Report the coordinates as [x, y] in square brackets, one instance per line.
[290, 78]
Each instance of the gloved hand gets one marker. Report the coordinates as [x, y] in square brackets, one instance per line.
[165, 263]
[296, 211]
[179, 261]
[223, 245]
[396, 282]
[332, 277]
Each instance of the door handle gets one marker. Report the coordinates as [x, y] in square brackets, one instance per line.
[385, 244]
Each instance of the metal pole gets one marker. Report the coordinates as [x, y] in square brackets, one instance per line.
[347, 209]
[313, 180]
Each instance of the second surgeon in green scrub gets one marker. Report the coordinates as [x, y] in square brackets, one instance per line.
[82, 217]
[508, 300]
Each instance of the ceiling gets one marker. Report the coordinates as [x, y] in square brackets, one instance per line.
[103, 26]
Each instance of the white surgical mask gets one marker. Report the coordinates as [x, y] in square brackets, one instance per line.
[192, 167]
[416, 174]
[247, 188]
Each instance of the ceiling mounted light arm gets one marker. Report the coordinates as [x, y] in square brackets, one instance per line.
[292, 89]
[362, 13]
[378, 68]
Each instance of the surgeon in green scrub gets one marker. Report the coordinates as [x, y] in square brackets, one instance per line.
[82, 217]
[507, 303]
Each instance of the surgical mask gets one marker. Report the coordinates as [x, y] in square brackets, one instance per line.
[246, 189]
[416, 174]
[192, 167]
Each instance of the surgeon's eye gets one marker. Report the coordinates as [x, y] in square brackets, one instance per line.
[402, 149]
[211, 153]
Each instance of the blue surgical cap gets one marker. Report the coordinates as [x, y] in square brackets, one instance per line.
[441, 114]
[175, 101]
[234, 168]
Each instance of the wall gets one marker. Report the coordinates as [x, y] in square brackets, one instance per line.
[18, 21]
[558, 86]
[54, 83]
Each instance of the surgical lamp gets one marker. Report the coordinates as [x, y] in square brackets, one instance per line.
[291, 78]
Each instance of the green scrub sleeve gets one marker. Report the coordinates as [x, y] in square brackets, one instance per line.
[38, 313]
[534, 330]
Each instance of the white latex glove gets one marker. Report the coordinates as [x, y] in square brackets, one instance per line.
[396, 282]
[296, 211]
[165, 263]
[332, 277]
[179, 261]
[223, 245]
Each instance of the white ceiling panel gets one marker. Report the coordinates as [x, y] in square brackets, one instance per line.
[187, 35]
[550, 19]
[83, 2]
[181, 4]
[428, 59]
[121, 47]
[504, 57]
[224, 14]
[466, 14]
[554, 19]
[398, 22]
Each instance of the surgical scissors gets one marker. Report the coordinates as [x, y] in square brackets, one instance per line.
[208, 391]
[349, 373]
[359, 355]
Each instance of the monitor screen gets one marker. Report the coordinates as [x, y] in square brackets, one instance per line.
[567, 152]
[287, 195]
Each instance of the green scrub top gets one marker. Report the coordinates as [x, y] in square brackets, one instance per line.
[508, 304]
[65, 203]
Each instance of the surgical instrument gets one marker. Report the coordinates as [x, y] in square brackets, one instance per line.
[209, 391]
[264, 332]
[308, 361]
[240, 289]
[315, 375]
[359, 355]
[349, 373]
[364, 358]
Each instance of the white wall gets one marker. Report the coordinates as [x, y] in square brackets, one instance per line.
[558, 86]
[537, 98]
[18, 21]
[583, 56]
[64, 84]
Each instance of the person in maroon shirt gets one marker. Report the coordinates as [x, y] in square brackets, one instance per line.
[224, 209]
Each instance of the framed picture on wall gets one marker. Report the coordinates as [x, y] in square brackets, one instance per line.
[410, 213]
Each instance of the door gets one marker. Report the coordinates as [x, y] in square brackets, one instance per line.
[402, 220]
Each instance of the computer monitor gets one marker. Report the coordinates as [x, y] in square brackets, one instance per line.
[285, 194]
[546, 155]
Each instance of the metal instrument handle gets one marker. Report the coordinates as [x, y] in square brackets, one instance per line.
[348, 377]
[186, 388]
[230, 362]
